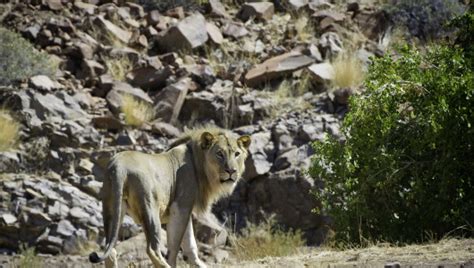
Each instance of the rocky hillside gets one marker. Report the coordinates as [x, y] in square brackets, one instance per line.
[259, 68]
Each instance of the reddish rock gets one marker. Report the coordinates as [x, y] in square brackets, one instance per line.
[189, 33]
[258, 10]
[277, 67]
[107, 122]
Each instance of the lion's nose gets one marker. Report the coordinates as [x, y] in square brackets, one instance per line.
[230, 170]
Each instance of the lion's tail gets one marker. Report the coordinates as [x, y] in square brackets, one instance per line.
[115, 209]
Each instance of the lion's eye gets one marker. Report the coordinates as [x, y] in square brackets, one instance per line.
[237, 154]
[220, 154]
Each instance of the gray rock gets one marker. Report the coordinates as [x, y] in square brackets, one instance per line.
[109, 27]
[42, 82]
[330, 44]
[48, 105]
[259, 162]
[8, 218]
[119, 89]
[217, 9]
[169, 101]
[258, 10]
[210, 105]
[65, 228]
[78, 213]
[234, 29]
[189, 33]
[297, 4]
[214, 33]
[58, 210]
[321, 72]
[164, 129]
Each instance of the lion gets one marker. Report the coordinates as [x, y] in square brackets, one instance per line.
[199, 168]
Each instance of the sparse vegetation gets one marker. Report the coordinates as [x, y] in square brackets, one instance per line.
[28, 258]
[348, 71]
[258, 241]
[304, 28]
[118, 67]
[136, 112]
[19, 60]
[9, 130]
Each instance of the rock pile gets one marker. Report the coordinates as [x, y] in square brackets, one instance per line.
[220, 65]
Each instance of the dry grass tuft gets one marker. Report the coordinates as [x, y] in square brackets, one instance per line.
[28, 258]
[348, 71]
[119, 67]
[9, 130]
[136, 112]
[304, 28]
[259, 241]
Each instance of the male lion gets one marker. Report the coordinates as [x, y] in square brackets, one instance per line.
[202, 166]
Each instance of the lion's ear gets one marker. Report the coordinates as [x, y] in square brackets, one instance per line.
[206, 140]
[245, 141]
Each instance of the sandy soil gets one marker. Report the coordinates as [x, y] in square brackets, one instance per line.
[447, 253]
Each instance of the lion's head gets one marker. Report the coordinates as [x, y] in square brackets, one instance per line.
[219, 159]
[225, 156]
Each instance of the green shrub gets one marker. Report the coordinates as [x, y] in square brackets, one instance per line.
[424, 19]
[19, 59]
[405, 169]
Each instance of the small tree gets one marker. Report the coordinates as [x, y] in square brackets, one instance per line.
[405, 169]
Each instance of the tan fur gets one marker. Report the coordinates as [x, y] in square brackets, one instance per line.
[199, 168]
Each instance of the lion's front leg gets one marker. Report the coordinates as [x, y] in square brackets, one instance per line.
[175, 229]
[189, 246]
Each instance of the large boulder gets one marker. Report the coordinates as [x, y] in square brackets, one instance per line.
[189, 33]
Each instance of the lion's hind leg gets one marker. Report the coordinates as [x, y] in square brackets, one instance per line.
[152, 227]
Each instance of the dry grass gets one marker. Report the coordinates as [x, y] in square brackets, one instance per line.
[136, 112]
[105, 37]
[259, 241]
[118, 67]
[348, 71]
[228, 54]
[304, 28]
[9, 130]
[28, 258]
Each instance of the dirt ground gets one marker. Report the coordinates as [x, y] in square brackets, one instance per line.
[447, 253]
